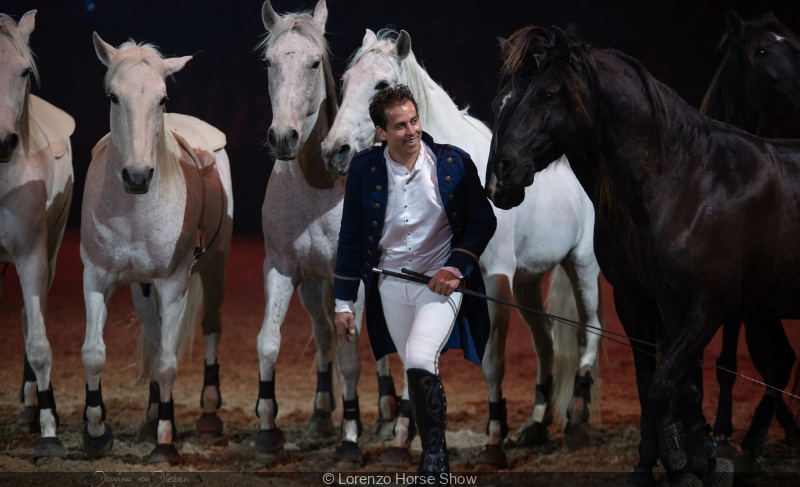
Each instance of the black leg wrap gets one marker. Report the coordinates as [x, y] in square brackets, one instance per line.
[351, 411]
[583, 387]
[211, 378]
[699, 445]
[386, 386]
[498, 412]
[266, 390]
[406, 410]
[325, 383]
[166, 411]
[28, 375]
[543, 391]
[430, 405]
[671, 441]
[155, 393]
[94, 399]
[46, 400]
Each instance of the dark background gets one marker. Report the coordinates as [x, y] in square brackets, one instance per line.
[226, 83]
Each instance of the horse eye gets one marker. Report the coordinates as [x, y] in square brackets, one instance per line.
[27, 73]
[315, 65]
[163, 101]
[761, 52]
[548, 95]
[113, 98]
[382, 85]
[269, 64]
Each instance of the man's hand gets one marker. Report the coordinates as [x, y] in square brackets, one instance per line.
[345, 325]
[444, 282]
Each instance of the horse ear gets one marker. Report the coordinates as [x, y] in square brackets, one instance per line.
[561, 42]
[503, 46]
[268, 16]
[733, 23]
[369, 39]
[26, 23]
[321, 14]
[105, 51]
[175, 64]
[403, 45]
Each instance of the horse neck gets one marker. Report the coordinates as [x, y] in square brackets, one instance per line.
[727, 99]
[439, 114]
[310, 156]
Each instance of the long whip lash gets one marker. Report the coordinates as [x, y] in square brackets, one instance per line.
[413, 276]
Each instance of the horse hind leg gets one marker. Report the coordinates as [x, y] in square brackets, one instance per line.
[388, 400]
[534, 433]
[576, 350]
[145, 301]
[209, 425]
[314, 300]
[723, 424]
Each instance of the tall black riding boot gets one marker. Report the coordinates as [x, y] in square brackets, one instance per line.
[430, 408]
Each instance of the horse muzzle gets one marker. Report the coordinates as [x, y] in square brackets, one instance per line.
[285, 145]
[337, 160]
[7, 147]
[137, 182]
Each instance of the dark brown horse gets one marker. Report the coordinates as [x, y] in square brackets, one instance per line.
[705, 215]
[757, 88]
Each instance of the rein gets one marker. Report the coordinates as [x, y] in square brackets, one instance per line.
[413, 276]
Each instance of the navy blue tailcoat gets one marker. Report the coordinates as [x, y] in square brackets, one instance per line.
[471, 219]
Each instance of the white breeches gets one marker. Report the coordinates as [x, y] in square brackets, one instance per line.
[419, 321]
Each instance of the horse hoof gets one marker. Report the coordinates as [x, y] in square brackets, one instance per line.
[686, 480]
[348, 456]
[209, 426]
[747, 463]
[28, 420]
[721, 476]
[385, 429]
[164, 453]
[148, 431]
[530, 435]
[97, 447]
[577, 436]
[320, 425]
[269, 446]
[492, 456]
[640, 477]
[397, 457]
[726, 449]
[49, 447]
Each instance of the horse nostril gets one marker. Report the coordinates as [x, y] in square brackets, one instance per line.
[294, 138]
[12, 141]
[126, 177]
[273, 141]
[343, 149]
[150, 174]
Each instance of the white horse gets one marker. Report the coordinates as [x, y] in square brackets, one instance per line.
[158, 214]
[301, 217]
[35, 194]
[553, 226]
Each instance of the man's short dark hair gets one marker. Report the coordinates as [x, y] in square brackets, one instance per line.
[387, 98]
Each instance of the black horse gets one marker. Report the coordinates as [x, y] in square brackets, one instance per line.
[705, 215]
[756, 88]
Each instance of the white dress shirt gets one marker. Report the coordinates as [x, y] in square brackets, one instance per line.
[416, 233]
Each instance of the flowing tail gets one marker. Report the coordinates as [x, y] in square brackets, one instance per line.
[569, 341]
[191, 318]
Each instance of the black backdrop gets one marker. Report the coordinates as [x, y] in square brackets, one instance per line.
[226, 83]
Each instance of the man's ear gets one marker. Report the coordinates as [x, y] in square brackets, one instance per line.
[381, 133]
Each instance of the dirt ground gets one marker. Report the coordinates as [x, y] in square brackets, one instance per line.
[614, 437]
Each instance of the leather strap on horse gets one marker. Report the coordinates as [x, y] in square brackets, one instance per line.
[583, 387]
[46, 399]
[93, 400]
[266, 390]
[325, 383]
[386, 386]
[166, 411]
[28, 375]
[3, 278]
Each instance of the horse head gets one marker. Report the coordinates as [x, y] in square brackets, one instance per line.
[378, 64]
[136, 86]
[540, 110]
[300, 76]
[17, 68]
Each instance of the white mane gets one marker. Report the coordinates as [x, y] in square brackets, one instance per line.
[420, 83]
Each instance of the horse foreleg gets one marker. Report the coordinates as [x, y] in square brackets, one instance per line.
[34, 280]
[278, 292]
[723, 424]
[534, 432]
[97, 435]
[774, 357]
[174, 296]
[213, 278]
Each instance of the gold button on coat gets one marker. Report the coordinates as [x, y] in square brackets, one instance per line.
[371, 239]
[377, 206]
[447, 179]
[374, 170]
[374, 223]
[452, 196]
[378, 188]
[449, 160]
